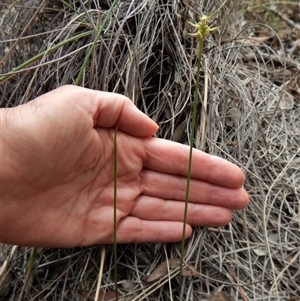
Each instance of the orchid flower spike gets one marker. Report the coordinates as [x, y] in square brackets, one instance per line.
[202, 29]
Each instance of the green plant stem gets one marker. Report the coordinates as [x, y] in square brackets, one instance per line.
[29, 271]
[40, 55]
[115, 210]
[31, 261]
[192, 134]
[88, 55]
[68, 5]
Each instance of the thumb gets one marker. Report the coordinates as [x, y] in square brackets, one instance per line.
[111, 110]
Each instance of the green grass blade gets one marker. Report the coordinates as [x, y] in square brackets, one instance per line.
[88, 55]
[31, 261]
[42, 54]
[29, 271]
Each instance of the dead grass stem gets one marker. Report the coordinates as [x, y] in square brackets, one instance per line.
[251, 118]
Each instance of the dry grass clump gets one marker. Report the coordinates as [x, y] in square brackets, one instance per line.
[249, 114]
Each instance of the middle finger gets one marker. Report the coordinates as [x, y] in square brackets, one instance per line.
[173, 187]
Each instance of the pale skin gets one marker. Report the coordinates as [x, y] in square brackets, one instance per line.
[57, 178]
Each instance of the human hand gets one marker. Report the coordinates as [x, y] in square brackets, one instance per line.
[57, 175]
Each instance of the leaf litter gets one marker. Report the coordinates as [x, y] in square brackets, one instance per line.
[251, 117]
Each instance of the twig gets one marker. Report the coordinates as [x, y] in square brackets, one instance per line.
[100, 275]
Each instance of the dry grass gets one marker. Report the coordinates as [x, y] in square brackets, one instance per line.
[249, 115]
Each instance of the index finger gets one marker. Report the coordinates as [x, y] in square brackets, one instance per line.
[172, 158]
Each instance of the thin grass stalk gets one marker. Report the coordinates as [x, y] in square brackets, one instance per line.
[88, 55]
[115, 211]
[5, 265]
[103, 252]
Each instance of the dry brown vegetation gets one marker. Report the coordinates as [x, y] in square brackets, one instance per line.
[249, 114]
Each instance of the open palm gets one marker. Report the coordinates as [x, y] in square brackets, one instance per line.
[58, 175]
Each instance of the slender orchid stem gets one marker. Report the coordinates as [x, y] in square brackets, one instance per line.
[115, 210]
[202, 31]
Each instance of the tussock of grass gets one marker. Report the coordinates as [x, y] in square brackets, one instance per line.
[252, 119]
